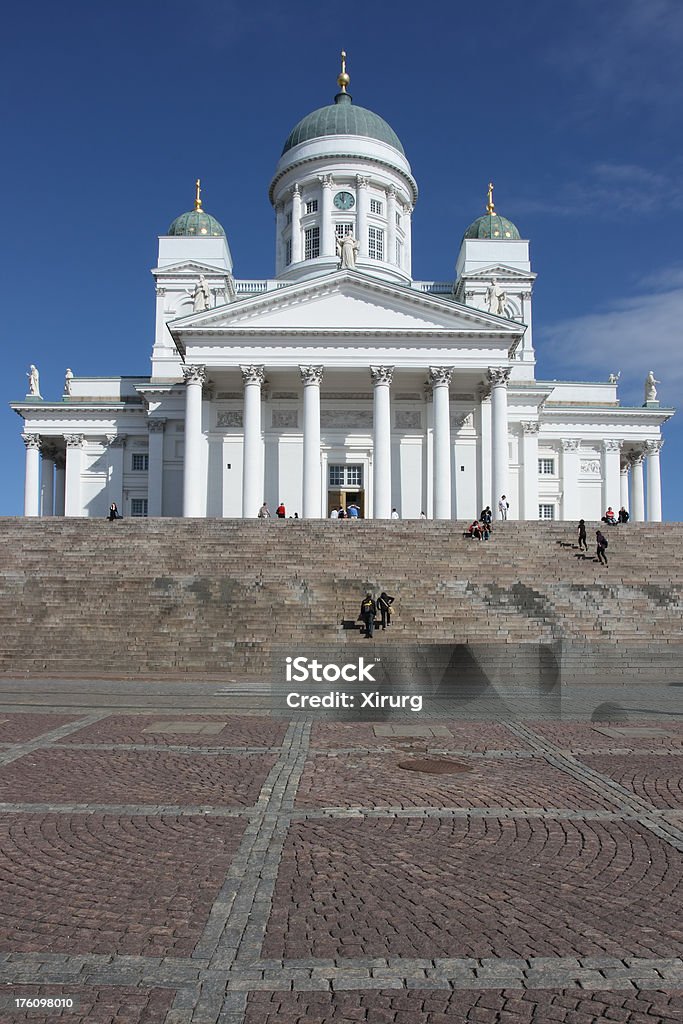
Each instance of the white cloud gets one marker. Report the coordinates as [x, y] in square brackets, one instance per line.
[635, 334]
[610, 189]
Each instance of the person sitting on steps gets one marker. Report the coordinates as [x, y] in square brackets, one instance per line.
[113, 513]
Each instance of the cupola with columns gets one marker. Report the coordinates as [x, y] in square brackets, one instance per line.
[193, 273]
[343, 171]
[493, 273]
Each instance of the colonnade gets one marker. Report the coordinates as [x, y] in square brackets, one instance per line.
[54, 488]
[253, 379]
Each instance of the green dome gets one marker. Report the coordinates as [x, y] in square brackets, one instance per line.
[342, 118]
[492, 225]
[196, 222]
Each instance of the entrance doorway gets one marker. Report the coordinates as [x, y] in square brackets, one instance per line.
[342, 498]
[345, 487]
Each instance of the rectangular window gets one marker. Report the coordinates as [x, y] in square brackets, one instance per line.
[375, 243]
[546, 512]
[288, 251]
[398, 219]
[138, 507]
[311, 243]
[312, 206]
[376, 207]
[342, 230]
[289, 218]
[546, 467]
[399, 254]
[140, 463]
[346, 476]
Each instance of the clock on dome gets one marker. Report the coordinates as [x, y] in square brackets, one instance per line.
[344, 201]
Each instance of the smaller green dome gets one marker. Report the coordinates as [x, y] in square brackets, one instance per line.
[492, 225]
[196, 222]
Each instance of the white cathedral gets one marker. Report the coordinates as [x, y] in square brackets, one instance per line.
[341, 379]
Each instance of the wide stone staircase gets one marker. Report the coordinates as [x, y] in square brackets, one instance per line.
[153, 598]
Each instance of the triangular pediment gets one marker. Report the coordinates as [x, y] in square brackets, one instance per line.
[500, 271]
[190, 268]
[344, 301]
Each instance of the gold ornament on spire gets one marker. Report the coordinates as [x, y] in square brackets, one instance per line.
[197, 195]
[489, 206]
[343, 79]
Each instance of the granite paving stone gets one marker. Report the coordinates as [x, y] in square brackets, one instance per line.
[128, 777]
[236, 731]
[367, 780]
[475, 887]
[98, 884]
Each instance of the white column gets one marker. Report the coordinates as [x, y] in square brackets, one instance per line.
[637, 489]
[296, 227]
[407, 250]
[391, 225]
[362, 204]
[440, 379]
[195, 377]
[155, 475]
[381, 458]
[311, 377]
[327, 240]
[611, 461]
[72, 479]
[485, 453]
[279, 244]
[117, 444]
[498, 378]
[32, 475]
[623, 486]
[60, 481]
[571, 465]
[47, 481]
[530, 469]
[654, 481]
[252, 466]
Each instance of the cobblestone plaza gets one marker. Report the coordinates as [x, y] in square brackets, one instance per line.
[171, 853]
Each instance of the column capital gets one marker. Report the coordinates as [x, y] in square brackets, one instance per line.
[530, 426]
[156, 426]
[253, 374]
[635, 458]
[31, 440]
[611, 444]
[311, 374]
[570, 444]
[326, 180]
[381, 374]
[194, 374]
[294, 189]
[74, 440]
[390, 192]
[440, 375]
[116, 440]
[498, 376]
[654, 447]
[362, 180]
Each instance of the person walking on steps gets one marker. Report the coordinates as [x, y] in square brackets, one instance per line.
[368, 610]
[384, 603]
[583, 542]
[503, 506]
[601, 547]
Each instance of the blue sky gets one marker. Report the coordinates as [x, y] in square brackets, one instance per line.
[572, 109]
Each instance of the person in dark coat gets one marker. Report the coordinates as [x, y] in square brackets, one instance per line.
[583, 542]
[384, 603]
[113, 513]
[368, 610]
[601, 547]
